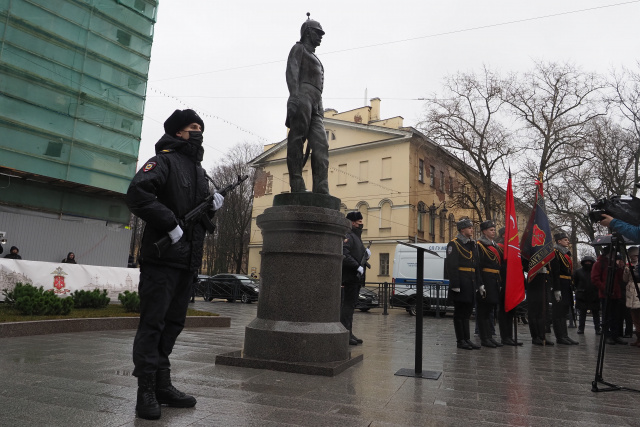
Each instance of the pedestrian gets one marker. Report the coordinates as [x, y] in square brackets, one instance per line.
[305, 113]
[586, 295]
[462, 270]
[626, 330]
[631, 301]
[561, 285]
[353, 272]
[490, 264]
[13, 253]
[70, 259]
[168, 186]
[611, 313]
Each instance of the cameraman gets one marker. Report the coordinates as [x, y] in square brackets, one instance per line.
[629, 231]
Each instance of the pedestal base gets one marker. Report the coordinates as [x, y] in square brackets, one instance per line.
[326, 369]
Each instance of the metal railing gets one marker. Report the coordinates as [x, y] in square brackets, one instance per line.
[403, 296]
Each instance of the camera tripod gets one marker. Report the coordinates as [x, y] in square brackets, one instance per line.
[617, 243]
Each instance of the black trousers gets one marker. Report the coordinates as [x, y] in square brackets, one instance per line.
[505, 320]
[559, 312]
[350, 292]
[582, 318]
[484, 319]
[461, 314]
[537, 302]
[612, 323]
[164, 298]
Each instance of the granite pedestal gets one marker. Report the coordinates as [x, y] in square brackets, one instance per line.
[298, 327]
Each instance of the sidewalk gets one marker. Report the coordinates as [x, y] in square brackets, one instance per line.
[84, 379]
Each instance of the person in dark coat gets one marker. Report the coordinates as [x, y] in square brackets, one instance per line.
[13, 253]
[168, 186]
[611, 314]
[586, 295]
[462, 270]
[490, 264]
[537, 289]
[70, 259]
[562, 287]
[353, 274]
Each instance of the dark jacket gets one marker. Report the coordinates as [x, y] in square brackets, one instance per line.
[69, 261]
[490, 263]
[599, 277]
[561, 270]
[586, 292]
[352, 252]
[462, 269]
[12, 255]
[167, 187]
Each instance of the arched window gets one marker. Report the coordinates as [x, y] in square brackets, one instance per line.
[363, 208]
[422, 210]
[443, 222]
[343, 209]
[385, 213]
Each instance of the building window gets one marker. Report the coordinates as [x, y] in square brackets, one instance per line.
[422, 209]
[123, 38]
[285, 183]
[451, 186]
[54, 149]
[421, 170]
[384, 264]
[364, 171]
[385, 215]
[342, 174]
[452, 226]
[443, 221]
[386, 168]
[432, 176]
[441, 183]
[364, 210]
[269, 187]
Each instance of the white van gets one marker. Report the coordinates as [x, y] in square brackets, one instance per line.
[405, 264]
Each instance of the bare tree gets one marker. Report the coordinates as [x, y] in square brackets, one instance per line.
[626, 86]
[227, 249]
[466, 122]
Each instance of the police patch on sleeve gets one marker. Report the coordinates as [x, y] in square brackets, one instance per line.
[449, 250]
[149, 166]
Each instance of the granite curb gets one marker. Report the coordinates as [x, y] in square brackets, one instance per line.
[59, 326]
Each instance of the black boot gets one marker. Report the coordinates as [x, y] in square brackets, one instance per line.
[168, 395]
[147, 406]
[358, 340]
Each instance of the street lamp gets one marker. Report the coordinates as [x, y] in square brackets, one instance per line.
[433, 209]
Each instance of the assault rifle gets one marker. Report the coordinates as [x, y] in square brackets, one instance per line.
[199, 213]
[363, 262]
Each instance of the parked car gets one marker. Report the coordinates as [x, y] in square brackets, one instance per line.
[231, 287]
[367, 299]
[434, 296]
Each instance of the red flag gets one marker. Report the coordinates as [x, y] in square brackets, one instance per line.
[537, 243]
[514, 288]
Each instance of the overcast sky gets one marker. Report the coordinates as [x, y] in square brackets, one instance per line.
[227, 60]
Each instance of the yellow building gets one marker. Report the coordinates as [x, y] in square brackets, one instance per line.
[401, 182]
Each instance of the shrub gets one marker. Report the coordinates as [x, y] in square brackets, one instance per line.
[29, 300]
[90, 299]
[130, 301]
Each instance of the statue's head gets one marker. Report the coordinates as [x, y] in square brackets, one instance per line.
[311, 25]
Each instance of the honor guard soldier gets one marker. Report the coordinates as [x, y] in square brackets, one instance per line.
[490, 263]
[461, 268]
[562, 284]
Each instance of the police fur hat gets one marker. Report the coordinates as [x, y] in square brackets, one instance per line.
[560, 235]
[485, 225]
[354, 216]
[501, 231]
[464, 223]
[180, 119]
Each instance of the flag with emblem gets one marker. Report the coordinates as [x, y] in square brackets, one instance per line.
[514, 288]
[537, 243]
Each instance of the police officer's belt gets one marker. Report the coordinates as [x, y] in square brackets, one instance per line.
[467, 269]
[565, 277]
[490, 270]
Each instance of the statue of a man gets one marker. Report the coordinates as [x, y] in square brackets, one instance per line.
[305, 114]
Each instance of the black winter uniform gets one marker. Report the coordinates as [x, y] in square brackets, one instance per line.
[490, 264]
[164, 189]
[352, 250]
[561, 280]
[463, 272]
[586, 296]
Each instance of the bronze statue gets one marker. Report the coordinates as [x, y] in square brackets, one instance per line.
[305, 114]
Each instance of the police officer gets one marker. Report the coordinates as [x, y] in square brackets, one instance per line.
[305, 113]
[462, 270]
[353, 273]
[490, 263]
[562, 284]
[168, 186]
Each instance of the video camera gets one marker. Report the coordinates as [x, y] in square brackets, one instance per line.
[624, 208]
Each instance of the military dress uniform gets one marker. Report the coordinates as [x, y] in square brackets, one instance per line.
[305, 114]
[461, 268]
[490, 262]
[561, 280]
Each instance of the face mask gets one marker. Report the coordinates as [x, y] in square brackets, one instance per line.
[360, 226]
[195, 136]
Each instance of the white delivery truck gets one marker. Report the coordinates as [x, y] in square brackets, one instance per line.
[405, 265]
